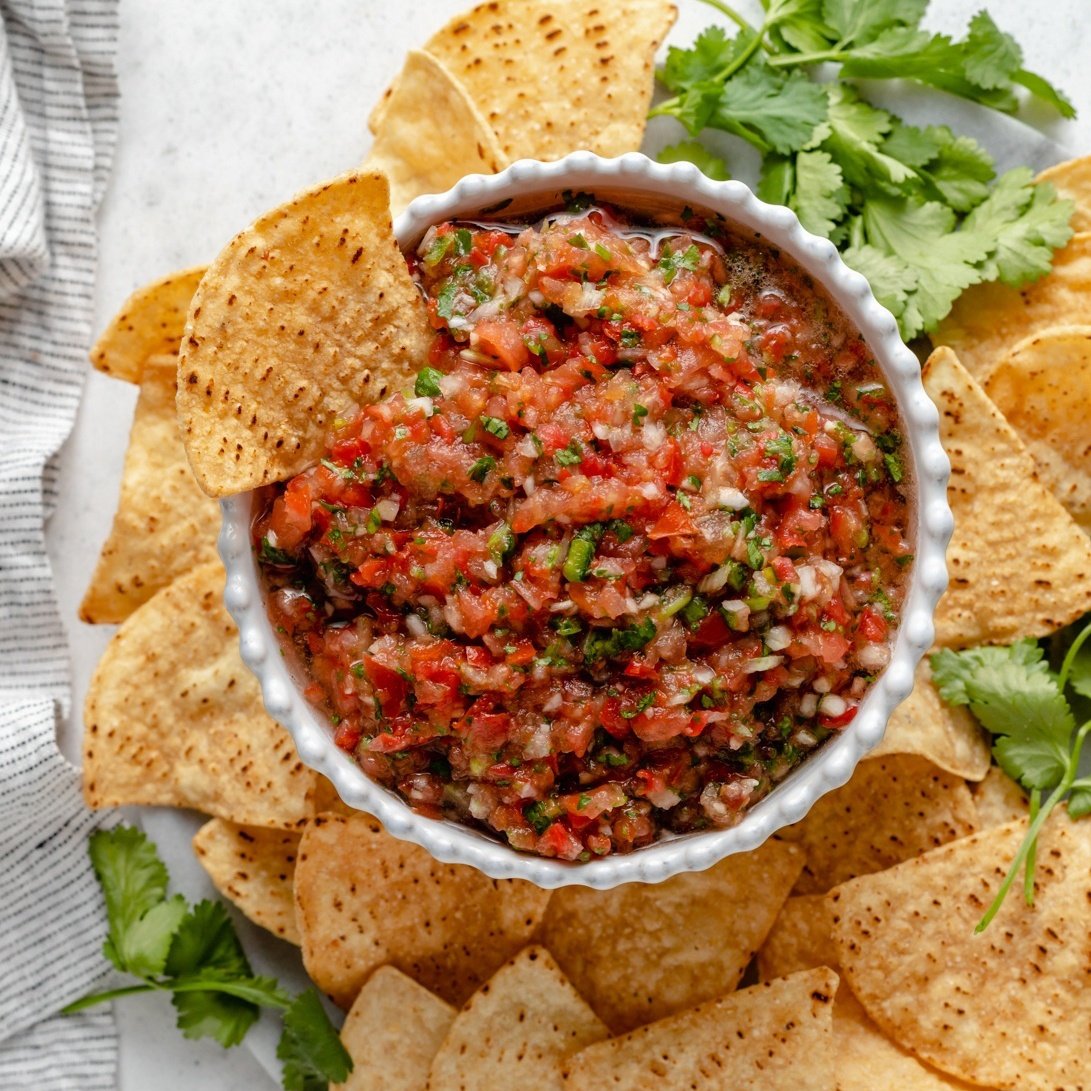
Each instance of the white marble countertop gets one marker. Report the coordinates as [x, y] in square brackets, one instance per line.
[227, 109]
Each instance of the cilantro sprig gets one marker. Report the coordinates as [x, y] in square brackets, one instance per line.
[194, 953]
[919, 211]
[1026, 707]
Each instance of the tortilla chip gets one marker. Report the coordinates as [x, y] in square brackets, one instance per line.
[1043, 388]
[1072, 181]
[641, 952]
[364, 898]
[1009, 1008]
[392, 1032]
[174, 719]
[777, 1037]
[323, 798]
[989, 319]
[1019, 566]
[866, 1060]
[149, 324]
[999, 799]
[302, 316]
[253, 867]
[516, 1030]
[892, 809]
[553, 78]
[925, 725]
[799, 940]
[164, 525]
[432, 134]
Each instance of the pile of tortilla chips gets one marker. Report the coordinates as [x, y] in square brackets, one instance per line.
[840, 954]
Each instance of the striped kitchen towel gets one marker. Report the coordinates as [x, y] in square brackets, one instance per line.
[58, 123]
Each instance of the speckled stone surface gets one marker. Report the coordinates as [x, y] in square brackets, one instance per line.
[227, 109]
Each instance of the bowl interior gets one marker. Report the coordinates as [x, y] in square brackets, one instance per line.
[656, 191]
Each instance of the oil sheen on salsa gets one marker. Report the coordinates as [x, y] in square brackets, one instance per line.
[633, 545]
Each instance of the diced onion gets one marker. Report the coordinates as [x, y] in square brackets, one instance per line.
[715, 580]
[490, 569]
[873, 657]
[526, 447]
[762, 663]
[832, 705]
[822, 685]
[808, 584]
[733, 499]
[415, 625]
[423, 404]
[808, 705]
[388, 509]
[778, 638]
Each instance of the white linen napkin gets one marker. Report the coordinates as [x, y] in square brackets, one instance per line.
[58, 124]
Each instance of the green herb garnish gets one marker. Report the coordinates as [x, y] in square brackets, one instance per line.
[1025, 707]
[918, 211]
[193, 953]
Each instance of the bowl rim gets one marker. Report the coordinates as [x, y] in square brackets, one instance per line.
[830, 766]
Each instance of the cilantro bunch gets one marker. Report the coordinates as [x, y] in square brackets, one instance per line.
[1032, 713]
[193, 952]
[918, 211]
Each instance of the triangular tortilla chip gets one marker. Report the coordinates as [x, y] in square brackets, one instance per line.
[695, 934]
[892, 809]
[1043, 388]
[989, 319]
[253, 867]
[777, 1037]
[1019, 566]
[516, 1030]
[799, 940]
[1072, 181]
[364, 898]
[302, 316]
[999, 799]
[866, 1060]
[164, 524]
[1007, 1009]
[432, 134]
[150, 323]
[174, 719]
[392, 1032]
[925, 725]
[554, 78]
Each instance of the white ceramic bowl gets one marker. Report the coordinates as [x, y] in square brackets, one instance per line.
[636, 181]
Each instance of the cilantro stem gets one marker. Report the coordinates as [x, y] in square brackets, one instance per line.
[730, 12]
[1030, 839]
[1070, 657]
[786, 60]
[1032, 856]
[104, 997]
[243, 990]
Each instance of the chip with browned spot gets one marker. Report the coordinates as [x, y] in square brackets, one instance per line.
[554, 78]
[777, 1036]
[1009, 1008]
[392, 1032]
[930, 728]
[1043, 388]
[696, 933]
[1019, 566]
[516, 1030]
[364, 898]
[431, 135]
[164, 524]
[893, 808]
[174, 719]
[303, 316]
[150, 323]
[252, 866]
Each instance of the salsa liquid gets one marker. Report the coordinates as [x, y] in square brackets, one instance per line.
[634, 545]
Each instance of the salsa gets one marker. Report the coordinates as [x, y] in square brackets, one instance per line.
[632, 547]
